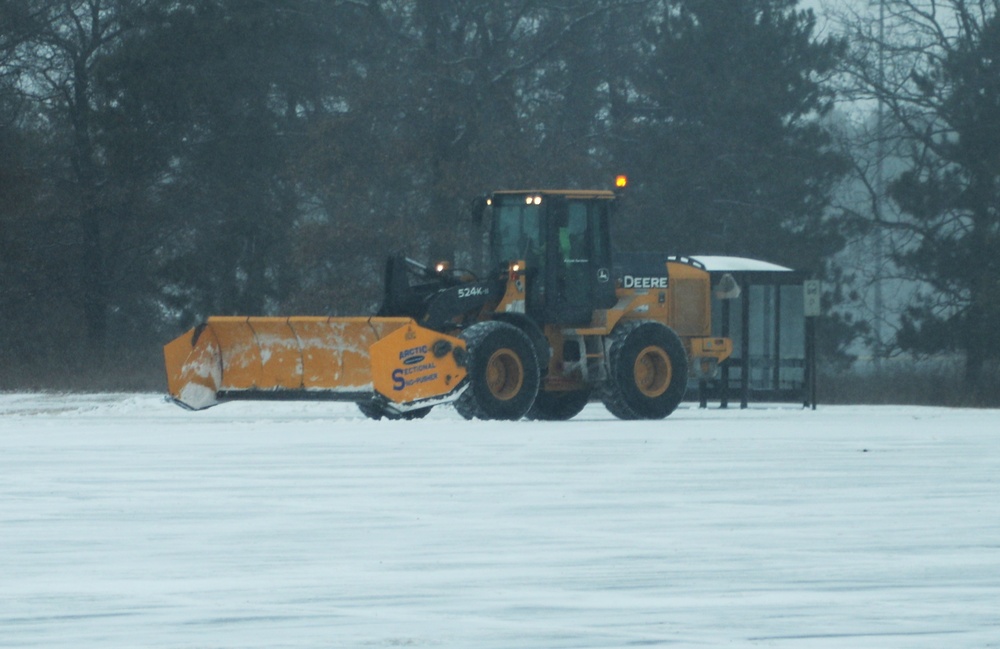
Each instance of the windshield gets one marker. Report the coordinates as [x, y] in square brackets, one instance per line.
[518, 232]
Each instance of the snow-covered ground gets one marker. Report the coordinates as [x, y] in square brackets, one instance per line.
[128, 522]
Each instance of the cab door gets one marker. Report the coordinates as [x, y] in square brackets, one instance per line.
[578, 261]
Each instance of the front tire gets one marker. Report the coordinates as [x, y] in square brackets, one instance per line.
[502, 371]
[374, 410]
[649, 369]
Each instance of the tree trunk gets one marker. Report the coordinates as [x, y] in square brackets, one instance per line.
[94, 293]
[92, 263]
[973, 368]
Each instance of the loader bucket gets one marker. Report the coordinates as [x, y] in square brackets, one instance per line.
[347, 359]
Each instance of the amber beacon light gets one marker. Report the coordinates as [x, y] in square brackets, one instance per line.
[621, 180]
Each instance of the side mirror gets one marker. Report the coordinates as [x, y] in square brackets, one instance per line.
[727, 289]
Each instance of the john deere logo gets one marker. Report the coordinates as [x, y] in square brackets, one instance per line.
[603, 275]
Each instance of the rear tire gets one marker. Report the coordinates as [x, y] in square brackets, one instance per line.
[558, 406]
[649, 369]
[502, 372]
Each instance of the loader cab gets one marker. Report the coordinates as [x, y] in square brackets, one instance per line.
[563, 238]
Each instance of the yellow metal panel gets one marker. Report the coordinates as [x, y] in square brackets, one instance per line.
[413, 363]
[241, 362]
[513, 300]
[194, 368]
[280, 354]
[689, 300]
[717, 348]
[385, 326]
[321, 348]
[334, 352]
[304, 354]
[632, 304]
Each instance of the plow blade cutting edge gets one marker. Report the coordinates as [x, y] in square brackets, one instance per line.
[345, 359]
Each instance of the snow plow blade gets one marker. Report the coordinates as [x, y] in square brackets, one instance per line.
[343, 359]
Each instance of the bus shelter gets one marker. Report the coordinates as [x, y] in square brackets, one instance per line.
[761, 307]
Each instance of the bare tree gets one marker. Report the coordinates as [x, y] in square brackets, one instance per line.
[62, 46]
[935, 67]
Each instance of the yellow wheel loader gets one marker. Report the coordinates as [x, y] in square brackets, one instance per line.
[552, 327]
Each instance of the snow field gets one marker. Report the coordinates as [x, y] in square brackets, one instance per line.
[128, 522]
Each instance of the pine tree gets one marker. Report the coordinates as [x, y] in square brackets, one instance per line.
[949, 199]
[726, 125]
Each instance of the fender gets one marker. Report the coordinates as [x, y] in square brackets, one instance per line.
[542, 348]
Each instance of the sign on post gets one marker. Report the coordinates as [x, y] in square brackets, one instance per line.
[812, 291]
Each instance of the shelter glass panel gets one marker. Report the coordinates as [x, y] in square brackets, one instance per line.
[792, 348]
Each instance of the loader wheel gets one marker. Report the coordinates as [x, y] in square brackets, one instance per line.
[558, 406]
[649, 371]
[375, 411]
[503, 372]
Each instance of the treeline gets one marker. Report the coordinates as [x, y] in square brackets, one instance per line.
[164, 160]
